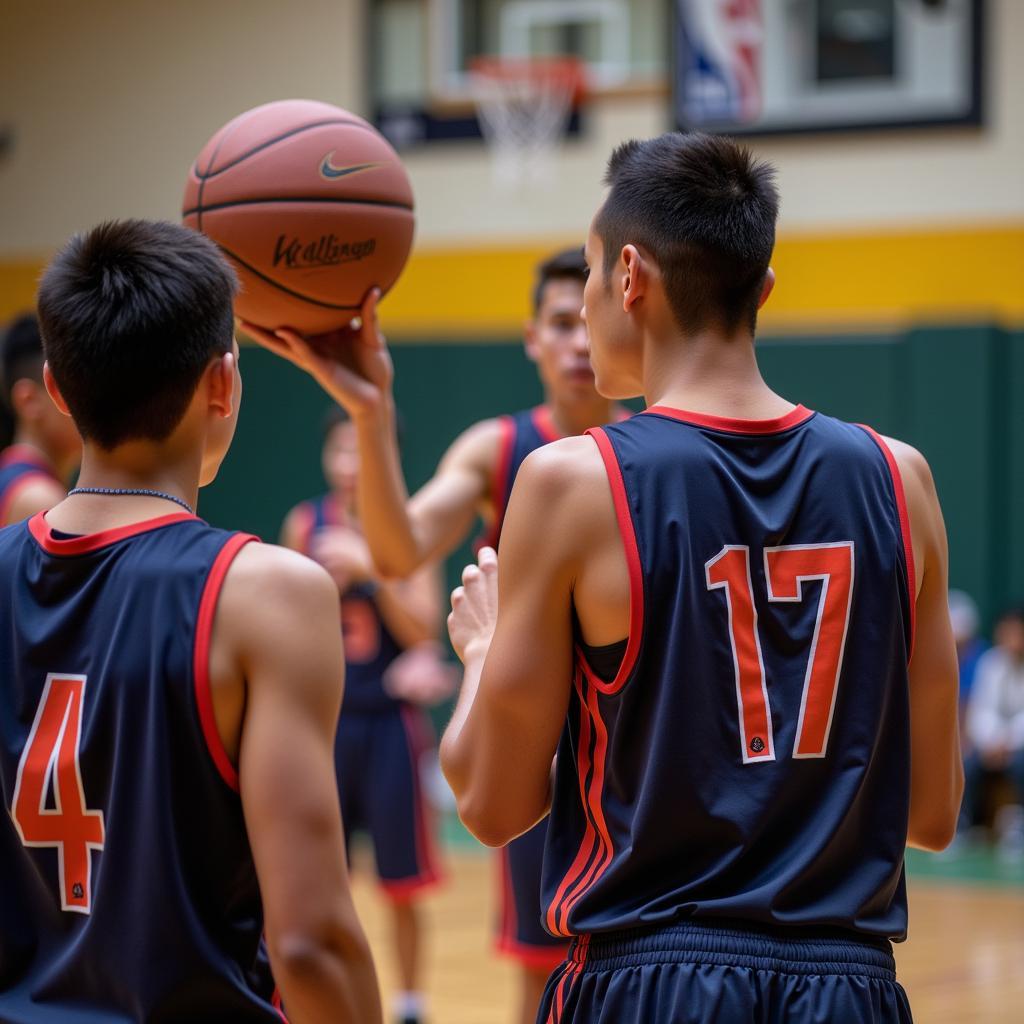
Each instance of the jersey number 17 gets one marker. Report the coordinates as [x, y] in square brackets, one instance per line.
[786, 569]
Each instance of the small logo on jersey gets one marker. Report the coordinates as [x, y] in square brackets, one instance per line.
[77, 891]
[757, 744]
[329, 171]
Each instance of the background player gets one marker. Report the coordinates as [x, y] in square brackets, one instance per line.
[735, 783]
[45, 447]
[392, 665]
[169, 691]
[474, 478]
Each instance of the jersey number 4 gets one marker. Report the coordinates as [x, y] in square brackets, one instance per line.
[785, 571]
[50, 762]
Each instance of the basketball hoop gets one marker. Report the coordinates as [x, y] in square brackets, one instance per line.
[524, 106]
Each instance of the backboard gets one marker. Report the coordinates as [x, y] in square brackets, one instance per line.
[422, 53]
[818, 65]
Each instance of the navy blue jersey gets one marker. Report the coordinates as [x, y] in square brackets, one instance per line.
[19, 465]
[369, 645]
[750, 760]
[521, 433]
[129, 886]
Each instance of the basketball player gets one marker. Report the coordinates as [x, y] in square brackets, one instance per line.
[169, 691]
[392, 664]
[473, 478]
[733, 626]
[45, 447]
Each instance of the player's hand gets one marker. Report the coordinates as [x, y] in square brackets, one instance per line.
[344, 554]
[352, 364]
[475, 607]
[421, 675]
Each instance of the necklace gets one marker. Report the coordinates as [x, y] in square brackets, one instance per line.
[142, 491]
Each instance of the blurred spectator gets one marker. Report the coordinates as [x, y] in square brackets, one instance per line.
[995, 726]
[970, 646]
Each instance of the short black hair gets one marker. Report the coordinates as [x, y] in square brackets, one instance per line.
[704, 210]
[131, 313]
[22, 353]
[567, 265]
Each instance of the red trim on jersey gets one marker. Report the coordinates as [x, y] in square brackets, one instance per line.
[201, 655]
[636, 577]
[87, 542]
[596, 850]
[904, 514]
[501, 486]
[544, 421]
[275, 1002]
[16, 453]
[735, 426]
[594, 803]
[18, 485]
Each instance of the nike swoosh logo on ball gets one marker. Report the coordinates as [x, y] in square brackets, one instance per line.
[328, 170]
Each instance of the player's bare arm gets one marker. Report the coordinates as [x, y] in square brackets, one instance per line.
[277, 672]
[354, 367]
[411, 608]
[36, 495]
[936, 768]
[498, 749]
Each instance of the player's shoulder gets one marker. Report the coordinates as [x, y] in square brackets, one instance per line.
[570, 468]
[267, 579]
[913, 466]
[36, 492]
[479, 444]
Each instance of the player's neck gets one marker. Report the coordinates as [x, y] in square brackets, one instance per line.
[345, 506]
[710, 374]
[577, 415]
[132, 466]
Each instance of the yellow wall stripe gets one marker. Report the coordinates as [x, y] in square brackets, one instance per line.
[825, 281]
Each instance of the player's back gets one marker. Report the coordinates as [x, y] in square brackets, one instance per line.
[129, 887]
[749, 761]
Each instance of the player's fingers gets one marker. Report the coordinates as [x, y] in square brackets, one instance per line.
[458, 595]
[470, 575]
[369, 333]
[368, 310]
[262, 337]
[295, 342]
[488, 559]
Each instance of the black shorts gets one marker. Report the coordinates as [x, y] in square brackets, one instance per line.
[707, 974]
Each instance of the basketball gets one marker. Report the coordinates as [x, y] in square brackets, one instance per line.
[311, 205]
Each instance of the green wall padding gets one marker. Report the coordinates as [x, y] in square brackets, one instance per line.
[955, 393]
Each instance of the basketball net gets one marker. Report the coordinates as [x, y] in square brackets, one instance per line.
[523, 106]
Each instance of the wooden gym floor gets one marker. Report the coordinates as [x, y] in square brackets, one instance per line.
[963, 963]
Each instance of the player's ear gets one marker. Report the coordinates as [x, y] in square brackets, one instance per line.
[634, 280]
[52, 390]
[221, 384]
[766, 288]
